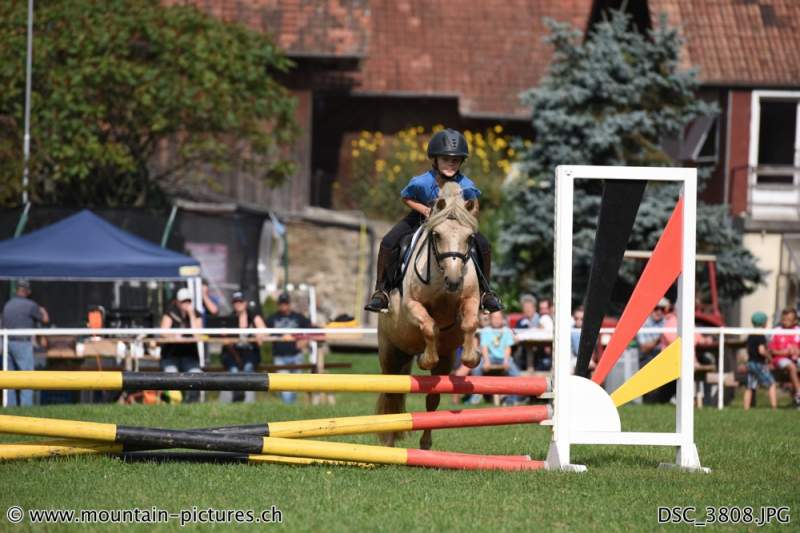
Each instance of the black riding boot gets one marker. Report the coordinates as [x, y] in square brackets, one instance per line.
[379, 301]
[490, 302]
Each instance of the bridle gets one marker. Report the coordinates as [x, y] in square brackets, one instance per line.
[429, 243]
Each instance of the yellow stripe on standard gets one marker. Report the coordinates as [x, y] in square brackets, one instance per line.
[53, 448]
[353, 425]
[339, 383]
[662, 369]
[55, 380]
[52, 427]
[282, 460]
[339, 451]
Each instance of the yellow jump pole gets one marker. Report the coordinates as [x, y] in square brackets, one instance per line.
[83, 380]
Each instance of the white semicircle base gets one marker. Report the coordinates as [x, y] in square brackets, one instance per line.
[592, 409]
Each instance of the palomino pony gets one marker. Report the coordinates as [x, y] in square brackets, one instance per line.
[437, 309]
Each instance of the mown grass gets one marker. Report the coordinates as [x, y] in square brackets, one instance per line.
[755, 458]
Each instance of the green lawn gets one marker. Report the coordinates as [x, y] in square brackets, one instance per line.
[755, 458]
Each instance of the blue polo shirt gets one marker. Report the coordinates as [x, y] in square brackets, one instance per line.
[425, 190]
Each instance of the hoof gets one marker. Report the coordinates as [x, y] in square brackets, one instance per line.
[426, 363]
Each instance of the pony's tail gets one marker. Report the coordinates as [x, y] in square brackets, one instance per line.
[391, 404]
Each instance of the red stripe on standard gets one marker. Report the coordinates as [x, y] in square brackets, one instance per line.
[523, 386]
[493, 416]
[465, 461]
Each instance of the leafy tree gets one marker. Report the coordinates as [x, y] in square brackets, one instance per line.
[608, 100]
[115, 81]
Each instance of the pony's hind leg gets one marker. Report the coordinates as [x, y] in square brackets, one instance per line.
[392, 361]
[443, 368]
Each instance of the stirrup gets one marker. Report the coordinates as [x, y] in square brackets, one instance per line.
[378, 302]
[490, 302]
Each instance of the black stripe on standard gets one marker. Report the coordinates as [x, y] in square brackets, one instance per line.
[240, 381]
[261, 430]
[169, 438]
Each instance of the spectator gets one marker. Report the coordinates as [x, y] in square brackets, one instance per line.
[288, 352]
[545, 314]
[210, 302]
[20, 312]
[525, 355]
[530, 318]
[650, 345]
[702, 357]
[758, 358]
[181, 356]
[243, 356]
[575, 334]
[496, 342]
[785, 350]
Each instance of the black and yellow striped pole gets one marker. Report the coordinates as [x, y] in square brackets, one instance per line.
[85, 380]
[281, 445]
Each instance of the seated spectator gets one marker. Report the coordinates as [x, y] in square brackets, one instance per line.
[785, 350]
[181, 356]
[496, 342]
[650, 345]
[758, 358]
[524, 355]
[288, 352]
[243, 356]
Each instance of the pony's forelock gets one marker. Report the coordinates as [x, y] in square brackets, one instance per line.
[455, 208]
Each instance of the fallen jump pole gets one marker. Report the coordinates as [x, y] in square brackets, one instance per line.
[322, 427]
[85, 380]
[15, 451]
[254, 444]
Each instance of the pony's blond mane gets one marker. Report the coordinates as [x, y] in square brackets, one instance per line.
[455, 208]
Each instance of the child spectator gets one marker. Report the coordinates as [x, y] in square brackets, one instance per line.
[758, 357]
[496, 343]
[785, 350]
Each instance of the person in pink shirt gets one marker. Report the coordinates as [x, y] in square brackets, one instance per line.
[785, 350]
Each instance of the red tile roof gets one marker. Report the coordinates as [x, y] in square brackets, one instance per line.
[738, 42]
[321, 28]
[484, 52]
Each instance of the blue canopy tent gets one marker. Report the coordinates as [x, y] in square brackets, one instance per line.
[86, 247]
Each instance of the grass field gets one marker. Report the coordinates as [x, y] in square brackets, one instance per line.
[755, 458]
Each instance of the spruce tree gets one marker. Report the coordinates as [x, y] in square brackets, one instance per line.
[609, 99]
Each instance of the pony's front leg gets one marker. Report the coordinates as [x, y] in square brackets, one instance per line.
[469, 325]
[426, 325]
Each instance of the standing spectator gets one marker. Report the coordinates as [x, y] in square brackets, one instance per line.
[785, 350]
[544, 358]
[496, 343]
[243, 356]
[758, 358]
[650, 345]
[210, 303]
[20, 312]
[181, 356]
[575, 336]
[288, 352]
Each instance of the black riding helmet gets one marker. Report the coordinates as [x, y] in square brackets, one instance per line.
[448, 142]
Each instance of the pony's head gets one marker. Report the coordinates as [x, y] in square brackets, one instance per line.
[452, 226]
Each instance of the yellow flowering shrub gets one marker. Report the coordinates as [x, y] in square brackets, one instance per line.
[381, 165]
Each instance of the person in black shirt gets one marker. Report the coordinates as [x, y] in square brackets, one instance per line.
[243, 356]
[288, 352]
[758, 358]
[182, 356]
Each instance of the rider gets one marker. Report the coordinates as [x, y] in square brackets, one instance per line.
[447, 149]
